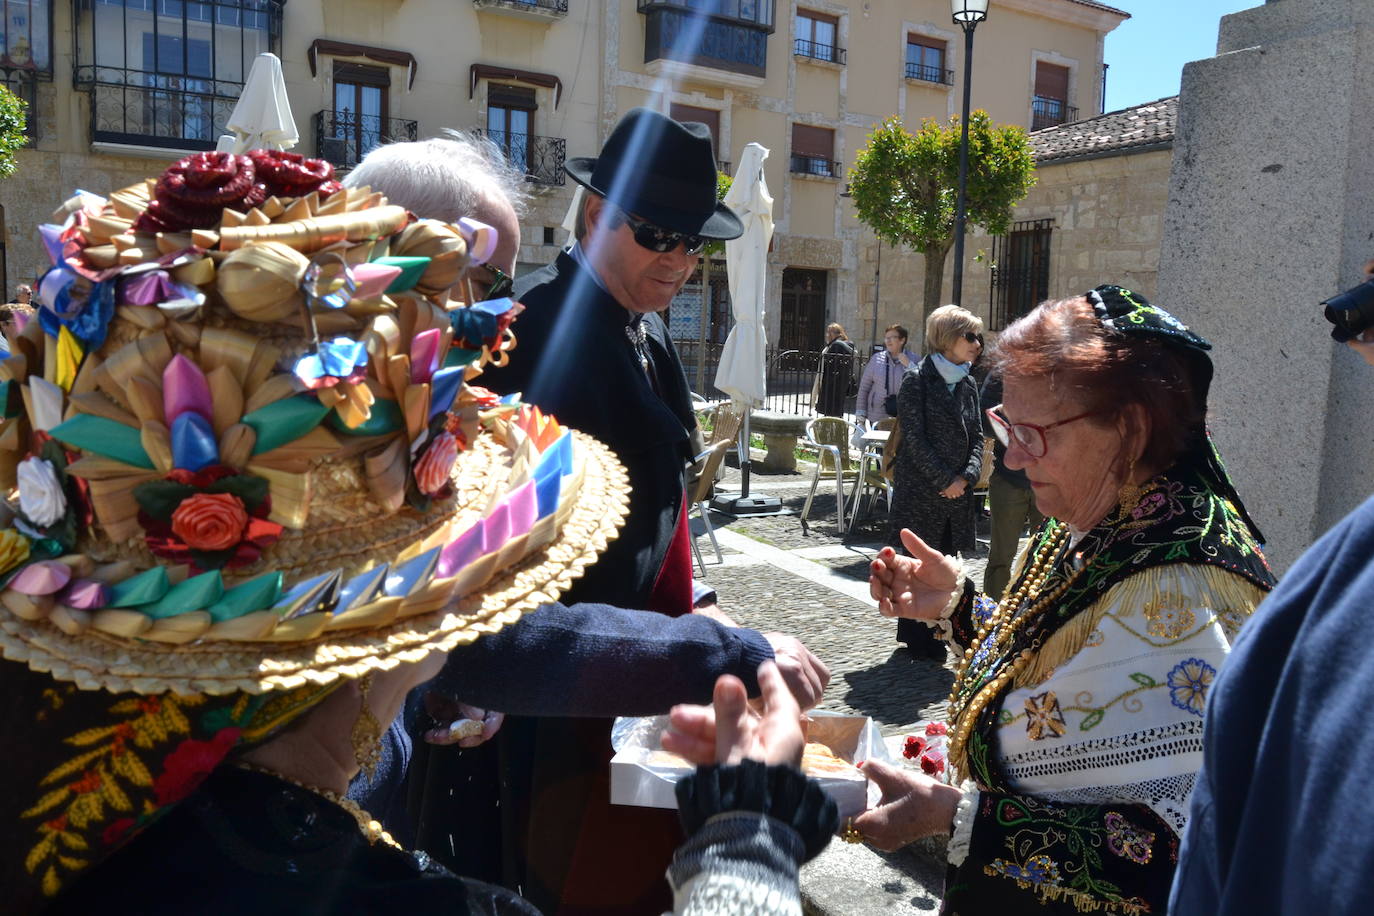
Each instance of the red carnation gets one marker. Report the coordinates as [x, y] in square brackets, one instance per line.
[936, 728]
[188, 765]
[915, 747]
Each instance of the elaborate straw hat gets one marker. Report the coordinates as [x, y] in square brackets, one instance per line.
[248, 448]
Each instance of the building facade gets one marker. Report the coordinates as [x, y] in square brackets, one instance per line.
[119, 87]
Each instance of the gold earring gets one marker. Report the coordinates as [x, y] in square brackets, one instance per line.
[1128, 497]
[367, 733]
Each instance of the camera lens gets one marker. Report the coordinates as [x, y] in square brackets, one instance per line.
[1352, 312]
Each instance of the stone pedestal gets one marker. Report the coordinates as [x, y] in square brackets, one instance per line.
[1271, 209]
[780, 433]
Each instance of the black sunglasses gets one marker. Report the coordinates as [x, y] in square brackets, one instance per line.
[656, 238]
[501, 286]
[973, 338]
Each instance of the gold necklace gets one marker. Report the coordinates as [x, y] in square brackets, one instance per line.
[1001, 629]
[371, 828]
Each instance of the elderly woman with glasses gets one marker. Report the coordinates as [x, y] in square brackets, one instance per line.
[940, 452]
[1074, 726]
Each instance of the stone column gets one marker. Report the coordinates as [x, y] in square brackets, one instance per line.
[1271, 210]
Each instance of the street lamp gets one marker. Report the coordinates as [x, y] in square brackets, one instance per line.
[967, 13]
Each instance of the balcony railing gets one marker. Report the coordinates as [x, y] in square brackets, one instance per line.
[1051, 113]
[929, 74]
[814, 165]
[526, 9]
[343, 138]
[675, 31]
[801, 47]
[138, 108]
[541, 158]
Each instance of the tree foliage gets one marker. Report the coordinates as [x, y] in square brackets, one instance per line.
[905, 186]
[12, 120]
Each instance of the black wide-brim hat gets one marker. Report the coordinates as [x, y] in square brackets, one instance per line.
[661, 170]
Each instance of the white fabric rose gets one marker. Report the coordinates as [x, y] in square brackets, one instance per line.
[40, 492]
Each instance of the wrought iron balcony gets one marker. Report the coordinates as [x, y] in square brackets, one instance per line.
[139, 108]
[718, 36]
[526, 9]
[804, 48]
[816, 166]
[343, 138]
[1051, 113]
[541, 158]
[929, 74]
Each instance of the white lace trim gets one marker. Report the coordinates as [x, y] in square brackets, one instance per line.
[964, 816]
[1167, 797]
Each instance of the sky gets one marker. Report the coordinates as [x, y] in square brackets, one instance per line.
[1146, 53]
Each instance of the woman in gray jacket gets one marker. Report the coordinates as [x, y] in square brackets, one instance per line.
[883, 375]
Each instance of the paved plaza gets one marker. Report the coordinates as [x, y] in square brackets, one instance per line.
[814, 585]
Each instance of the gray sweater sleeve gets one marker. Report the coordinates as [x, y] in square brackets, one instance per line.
[598, 660]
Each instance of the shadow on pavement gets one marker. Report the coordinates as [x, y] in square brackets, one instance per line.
[895, 692]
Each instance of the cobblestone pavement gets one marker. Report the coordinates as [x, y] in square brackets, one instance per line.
[812, 584]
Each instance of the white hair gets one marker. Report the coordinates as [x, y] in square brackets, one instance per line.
[442, 178]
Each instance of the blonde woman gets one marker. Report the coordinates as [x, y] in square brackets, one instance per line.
[835, 372]
[941, 452]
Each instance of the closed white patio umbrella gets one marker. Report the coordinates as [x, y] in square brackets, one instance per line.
[743, 362]
[262, 117]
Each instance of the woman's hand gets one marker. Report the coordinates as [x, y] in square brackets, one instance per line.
[913, 806]
[728, 732]
[956, 489]
[445, 709]
[917, 586]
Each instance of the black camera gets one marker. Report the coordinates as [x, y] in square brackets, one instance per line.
[1352, 312]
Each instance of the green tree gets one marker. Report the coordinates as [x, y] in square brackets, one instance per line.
[905, 186]
[12, 137]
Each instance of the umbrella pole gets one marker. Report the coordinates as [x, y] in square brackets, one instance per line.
[744, 455]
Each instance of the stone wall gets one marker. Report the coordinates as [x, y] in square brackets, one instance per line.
[1271, 209]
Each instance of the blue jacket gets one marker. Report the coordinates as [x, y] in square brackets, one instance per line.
[1282, 818]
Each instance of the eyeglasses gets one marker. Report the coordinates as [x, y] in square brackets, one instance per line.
[973, 338]
[656, 238]
[501, 284]
[1028, 435]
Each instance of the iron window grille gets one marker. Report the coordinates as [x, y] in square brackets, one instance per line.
[929, 74]
[821, 167]
[343, 138]
[167, 73]
[828, 53]
[541, 158]
[1020, 272]
[1051, 113]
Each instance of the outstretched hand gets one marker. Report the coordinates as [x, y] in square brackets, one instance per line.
[913, 806]
[460, 721]
[728, 731]
[918, 586]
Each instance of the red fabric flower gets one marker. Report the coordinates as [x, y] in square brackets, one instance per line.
[188, 765]
[210, 521]
[936, 728]
[914, 748]
[932, 763]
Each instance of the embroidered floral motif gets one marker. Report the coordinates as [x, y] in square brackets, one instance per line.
[1127, 840]
[1168, 619]
[1188, 683]
[1038, 871]
[1043, 716]
[982, 609]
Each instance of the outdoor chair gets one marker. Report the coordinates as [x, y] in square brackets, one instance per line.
[870, 481]
[829, 438]
[709, 460]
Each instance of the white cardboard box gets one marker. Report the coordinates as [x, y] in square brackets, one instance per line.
[642, 774]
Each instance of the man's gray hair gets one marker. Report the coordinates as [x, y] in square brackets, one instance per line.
[442, 178]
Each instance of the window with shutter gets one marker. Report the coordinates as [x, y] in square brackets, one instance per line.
[708, 116]
[1051, 104]
[925, 59]
[813, 151]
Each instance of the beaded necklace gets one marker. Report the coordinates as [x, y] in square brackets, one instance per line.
[372, 829]
[988, 666]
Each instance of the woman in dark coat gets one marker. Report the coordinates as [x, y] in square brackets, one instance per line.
[836, 372]
[941, 450]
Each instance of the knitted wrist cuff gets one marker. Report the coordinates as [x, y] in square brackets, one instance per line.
[781, 792]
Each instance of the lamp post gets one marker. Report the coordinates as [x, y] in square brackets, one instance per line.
[967, 13]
